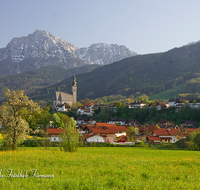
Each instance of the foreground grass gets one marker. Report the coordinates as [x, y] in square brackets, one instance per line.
[102, 168]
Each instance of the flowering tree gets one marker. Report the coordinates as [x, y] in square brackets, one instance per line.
[12, 115]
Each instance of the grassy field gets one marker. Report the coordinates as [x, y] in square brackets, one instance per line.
[168, 94]
[101, 168]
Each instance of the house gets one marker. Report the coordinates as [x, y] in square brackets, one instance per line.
[139, 138]
[173, 101]
[108, 131]
[86, 109]
[133, 122]
[194, 103]
[81, 120]
[187, 131]
[54, 134]
[153, 139]
[63, 107]
[117, 121]
[147, 129]
[180, 104]
[160, 105]
[168, 135]
[137, 104]
[112, 107]
[166, 124]
[189, 124]
[69, 98]
[95, 138]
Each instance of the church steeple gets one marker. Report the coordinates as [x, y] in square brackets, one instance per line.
[74, 89]
[74, 81]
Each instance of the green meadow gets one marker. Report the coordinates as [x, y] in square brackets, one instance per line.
[100, 168]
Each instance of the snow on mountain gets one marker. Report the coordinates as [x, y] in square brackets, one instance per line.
[42, 48]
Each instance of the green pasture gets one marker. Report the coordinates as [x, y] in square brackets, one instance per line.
[168, 94]
[101, 168]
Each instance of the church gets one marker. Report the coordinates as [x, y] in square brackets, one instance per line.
[63, 100]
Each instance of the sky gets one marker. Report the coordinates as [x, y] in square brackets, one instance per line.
[143, 26]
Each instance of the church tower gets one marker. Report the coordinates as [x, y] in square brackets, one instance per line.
[74, 89]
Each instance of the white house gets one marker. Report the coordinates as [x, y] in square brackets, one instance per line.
[95, 138]
[54, 134]
[167, 135]
[177, 102]
[137, 104]
[194, 103]
[63, 107]
[86, 110]
[117, 121]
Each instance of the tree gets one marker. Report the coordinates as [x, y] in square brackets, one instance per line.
[85, 101]
[133, 131]
[40, 120]
[12, 115]
[197, 140]
[118, 104]
[64, 118]
[75, 105]
[69, 136]
[57, 122]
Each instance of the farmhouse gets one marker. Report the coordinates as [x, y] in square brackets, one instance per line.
[95, 138]
[153, 139]
[108, 131]
[86, 109]
[54, 134]
[167, 135]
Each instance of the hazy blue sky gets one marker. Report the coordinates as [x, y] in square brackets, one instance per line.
[144, 26]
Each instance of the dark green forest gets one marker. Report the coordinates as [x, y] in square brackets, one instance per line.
[43, 77]
[142, 74]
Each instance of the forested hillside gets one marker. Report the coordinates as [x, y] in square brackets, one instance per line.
[143, 74]
[33, 80]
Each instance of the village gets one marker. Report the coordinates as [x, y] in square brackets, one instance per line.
[116, 130]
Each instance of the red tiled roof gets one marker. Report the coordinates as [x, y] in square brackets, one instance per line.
[163, 132]
[154, 138]
[147, 128]
[104, 124]
[105, 128]
[174, 132]
[104, 131]
[190, 130]
[151, 127]
[51, 131]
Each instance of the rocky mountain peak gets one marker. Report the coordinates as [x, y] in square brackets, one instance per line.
[41, 48]
[102, 53]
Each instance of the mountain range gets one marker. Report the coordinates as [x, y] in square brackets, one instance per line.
[130, 75]
[42, 49]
